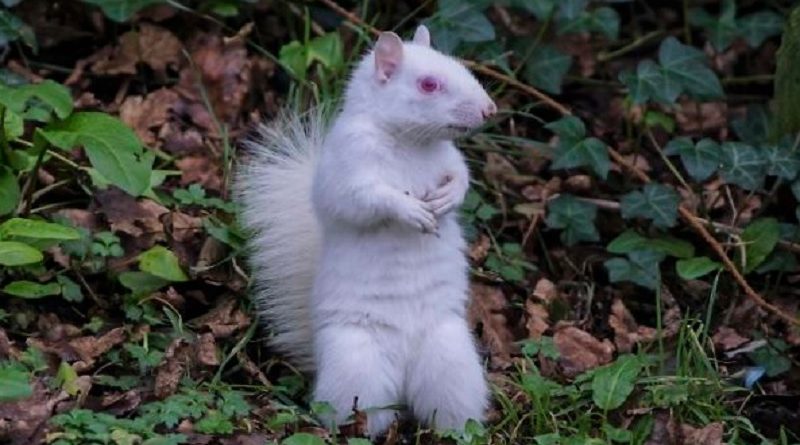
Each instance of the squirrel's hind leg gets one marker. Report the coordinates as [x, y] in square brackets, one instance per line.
[446, 383]
[352, 364]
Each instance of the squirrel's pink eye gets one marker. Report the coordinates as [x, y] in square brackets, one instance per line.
[428, 84]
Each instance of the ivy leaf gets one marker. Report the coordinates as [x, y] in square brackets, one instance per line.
[12, 29]
[14, 382]
[759, 26]
[571, 9]
[754, 127]
[161, 262]
[721, 31]
[542, 9]
[9, 191]
[782, 161]
[457, 22]
[574, 217]
[612, 384]
[759, 239]
[547, 67]
[693, 268]
[700, 160]
[30, 228]
[31, 290]
[684, 69]
[113, 148]
[122, 10]
[13, 253]
[656, 202]
[742, 165]
[575, 151]
[646, 83]
[630, 241]
[641, 267]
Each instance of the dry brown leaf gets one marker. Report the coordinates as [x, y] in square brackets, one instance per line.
[200, 170]
[146, 115]
[710, 434]
[127, 215]
[694, 117]
[537, 319]
[486, 308]
[171, 368]
[545, 291]
[183, 227]
[121, 403]
[626, 331]
[151, 45]
[207, 350]
[578, 183]
[23, 421]
[224, 320]
[479, 249]
[727, 338]
[579, 351]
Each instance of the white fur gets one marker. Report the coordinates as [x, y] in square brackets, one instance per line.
[386, 311]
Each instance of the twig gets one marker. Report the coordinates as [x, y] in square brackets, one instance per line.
[476, 66]
[642, 40]
[690, 218]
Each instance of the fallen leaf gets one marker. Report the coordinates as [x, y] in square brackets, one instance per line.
[200, 170]
[727, 338]
[151, 45]
[207, 350]
[127, 215]
[627, 332]
[25, 420]
[171, 368]
[147, 114]
[537, 321]
[486, 309]
[710, 434]
[579, 351]
[694, 117]
[224, 320]
[479, 249]
[545, 291]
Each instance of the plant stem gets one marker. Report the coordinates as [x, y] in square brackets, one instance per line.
[636, 43]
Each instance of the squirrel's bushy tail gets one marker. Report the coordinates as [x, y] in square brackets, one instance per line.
[274, 192]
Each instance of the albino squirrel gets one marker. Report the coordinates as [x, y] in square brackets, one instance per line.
[358, 258]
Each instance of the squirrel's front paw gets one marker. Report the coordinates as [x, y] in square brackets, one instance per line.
[443, 199]
[418, 215]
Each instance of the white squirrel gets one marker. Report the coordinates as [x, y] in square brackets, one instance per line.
[358, 257]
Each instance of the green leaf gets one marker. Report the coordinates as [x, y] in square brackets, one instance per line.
[575, 151]
[457, 21]
[12, 29]
[743, 165]
[753, 128]
[303, 439]
[9, 191]
[69, 289]
[67, 379]
[571, 9]
[575, 218]
[605, 21]
[759, 239]
[358, 441]
[31, 228]
[542, 9]
[684, 69]
[113, 149]
[13, 253]
[722, 30]
[641, 267]
[630, 241]
[646, 83]
[31, 290]
[327, 50]
[161, 262]
[700, 160]
[782, 161]
[772, 357]
[656, 202]
[759, 26]
[612, 384]
[546, 68]
[14, 382]
[693, 268]
[122, 10]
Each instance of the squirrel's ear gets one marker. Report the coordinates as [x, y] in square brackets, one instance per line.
[388, 55]
[422, 36]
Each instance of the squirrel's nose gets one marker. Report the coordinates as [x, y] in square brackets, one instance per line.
[489, 110]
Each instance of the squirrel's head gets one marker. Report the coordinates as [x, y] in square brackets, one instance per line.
[414, 89]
